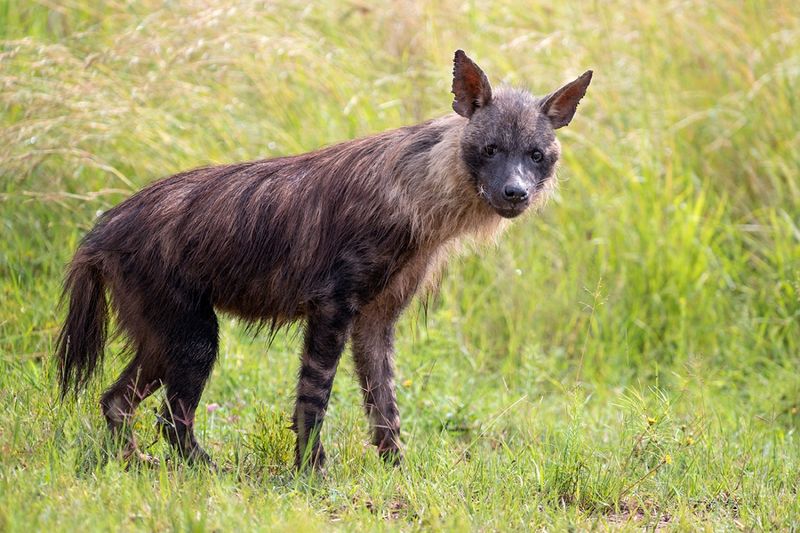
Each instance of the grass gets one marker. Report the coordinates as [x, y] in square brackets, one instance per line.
[626, 360]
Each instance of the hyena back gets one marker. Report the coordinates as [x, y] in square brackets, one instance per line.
[341, 238]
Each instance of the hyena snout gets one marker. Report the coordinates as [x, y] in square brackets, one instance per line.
[515, 192]
[511, 197]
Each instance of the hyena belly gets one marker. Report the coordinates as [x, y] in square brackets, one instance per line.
[343, 271]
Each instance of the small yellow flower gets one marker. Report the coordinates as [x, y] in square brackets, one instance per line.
[689, 441]
[650, 420]
[668, 459]
[407, 383]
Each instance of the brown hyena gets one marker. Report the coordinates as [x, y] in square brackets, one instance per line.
[341, 238]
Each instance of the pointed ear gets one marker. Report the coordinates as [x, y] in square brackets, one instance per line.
[560, 105]
[470, 86]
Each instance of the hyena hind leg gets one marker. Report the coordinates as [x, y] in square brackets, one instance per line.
[141, 378]
[192, 344]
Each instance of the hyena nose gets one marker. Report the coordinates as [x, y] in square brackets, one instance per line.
[514, 193]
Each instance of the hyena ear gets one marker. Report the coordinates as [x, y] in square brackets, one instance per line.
[470, 86]
[560, 105]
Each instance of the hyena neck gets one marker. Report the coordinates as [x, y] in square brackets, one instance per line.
[446, 204]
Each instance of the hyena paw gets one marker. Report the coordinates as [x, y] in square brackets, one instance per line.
[133, 456]
[198, 456]
[391, 456]
[311, 459]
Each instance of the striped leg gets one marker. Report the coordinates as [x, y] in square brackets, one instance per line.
[373, 350]
[324, 342]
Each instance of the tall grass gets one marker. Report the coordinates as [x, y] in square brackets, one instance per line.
[628, 358]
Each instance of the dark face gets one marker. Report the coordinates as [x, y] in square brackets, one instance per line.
[509, 143]
[511, 151]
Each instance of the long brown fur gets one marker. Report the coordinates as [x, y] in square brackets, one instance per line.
[341, 237]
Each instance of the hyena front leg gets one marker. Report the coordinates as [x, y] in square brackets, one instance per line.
[373, 350]
[326, 334]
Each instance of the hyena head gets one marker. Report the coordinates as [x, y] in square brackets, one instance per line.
[509, 144]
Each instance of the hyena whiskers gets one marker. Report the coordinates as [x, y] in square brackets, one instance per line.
[340, 238]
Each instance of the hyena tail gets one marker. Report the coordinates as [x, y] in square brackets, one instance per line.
[80, 344]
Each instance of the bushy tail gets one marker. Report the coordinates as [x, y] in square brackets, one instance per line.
[82, 339]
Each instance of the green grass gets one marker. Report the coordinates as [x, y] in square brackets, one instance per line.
[628, 359]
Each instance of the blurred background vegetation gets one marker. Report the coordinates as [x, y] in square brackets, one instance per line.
[628, 357]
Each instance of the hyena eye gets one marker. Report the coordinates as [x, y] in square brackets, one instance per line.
[490, 149]
[537, 156]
